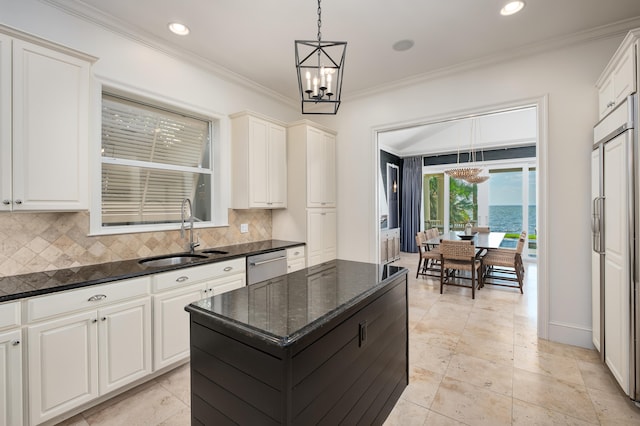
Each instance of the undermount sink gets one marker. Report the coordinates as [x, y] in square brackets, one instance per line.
[214, 251]
[171, 259]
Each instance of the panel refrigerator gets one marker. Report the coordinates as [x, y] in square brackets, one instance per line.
[614, 192]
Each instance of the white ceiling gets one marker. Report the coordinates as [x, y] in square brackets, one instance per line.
[254, 39]
[501, 129]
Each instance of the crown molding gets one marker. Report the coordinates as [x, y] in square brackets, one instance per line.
[83, 11]
[616, 29]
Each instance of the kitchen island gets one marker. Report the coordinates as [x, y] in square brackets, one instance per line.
[327, 344]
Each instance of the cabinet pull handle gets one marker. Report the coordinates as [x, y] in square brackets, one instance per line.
[610, 104]
[15, 342]
[228, 268]
[296, 253]
[97, 297]
[182, 279]
[18, 201]
[6, 202]
[267, 261]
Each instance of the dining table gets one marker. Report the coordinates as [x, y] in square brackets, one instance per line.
[482, 240]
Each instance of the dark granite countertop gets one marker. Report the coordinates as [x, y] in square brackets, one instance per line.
[38, 283]
[284, 309]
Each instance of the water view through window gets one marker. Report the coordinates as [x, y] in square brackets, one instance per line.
[506, 203]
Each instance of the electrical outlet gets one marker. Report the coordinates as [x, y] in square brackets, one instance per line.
[244, 228]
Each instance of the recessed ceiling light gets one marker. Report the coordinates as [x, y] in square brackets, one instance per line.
[402, 45]
[512, 7]
[178, 28]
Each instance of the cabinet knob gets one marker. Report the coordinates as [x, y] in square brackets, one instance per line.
[15, 342]
[103, 318]
[95, 320]
[18, 202]
[6, 202]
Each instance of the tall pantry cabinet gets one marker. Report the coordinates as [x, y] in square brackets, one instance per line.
[311, 212]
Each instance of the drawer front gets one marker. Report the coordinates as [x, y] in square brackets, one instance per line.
[186, 276]
[295, 252]
[294, 265]
[9, 315]
[85, 298]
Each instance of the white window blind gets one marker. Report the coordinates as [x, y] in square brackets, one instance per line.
[151, 160]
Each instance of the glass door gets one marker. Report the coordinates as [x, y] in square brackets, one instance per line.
[512, 205]
[463, 204]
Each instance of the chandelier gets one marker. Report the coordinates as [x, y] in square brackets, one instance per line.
[320, 65]
[470, 174]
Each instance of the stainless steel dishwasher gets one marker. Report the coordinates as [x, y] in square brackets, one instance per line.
[264, 266]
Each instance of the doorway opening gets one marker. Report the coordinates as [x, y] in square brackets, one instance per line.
[520, 126]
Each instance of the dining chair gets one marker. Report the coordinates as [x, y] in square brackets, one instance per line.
[459, 256]
[430, 234]
[428, 256]
[503, 264]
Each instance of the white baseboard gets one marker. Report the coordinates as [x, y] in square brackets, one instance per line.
[571, 334]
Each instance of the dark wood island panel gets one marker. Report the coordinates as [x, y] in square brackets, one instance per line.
[325, 345]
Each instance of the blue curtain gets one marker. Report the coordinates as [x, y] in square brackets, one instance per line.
[411, 197]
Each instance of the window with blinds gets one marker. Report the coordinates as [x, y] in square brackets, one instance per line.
[152, 159]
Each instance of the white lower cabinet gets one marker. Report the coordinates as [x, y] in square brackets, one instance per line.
[76, 358]
[10, 364]
[124, 343]
[63, 365]
[321, 236]
[296, 259]
[84, 343]
[11, 378]
[171, 331]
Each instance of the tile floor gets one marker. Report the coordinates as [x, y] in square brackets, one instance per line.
[473, 362]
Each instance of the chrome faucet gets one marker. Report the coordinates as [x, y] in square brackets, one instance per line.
[192, 245]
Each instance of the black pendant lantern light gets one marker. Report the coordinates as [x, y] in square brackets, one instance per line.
[320, 65]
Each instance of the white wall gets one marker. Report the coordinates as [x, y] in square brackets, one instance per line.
[567, 77]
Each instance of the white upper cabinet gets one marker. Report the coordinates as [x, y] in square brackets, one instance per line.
[259, 155]
[44, 115]
[619, 77]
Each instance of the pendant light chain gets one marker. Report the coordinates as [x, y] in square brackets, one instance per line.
[319, 22]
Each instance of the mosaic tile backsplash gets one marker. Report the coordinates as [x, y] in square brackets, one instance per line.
[35, 242]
